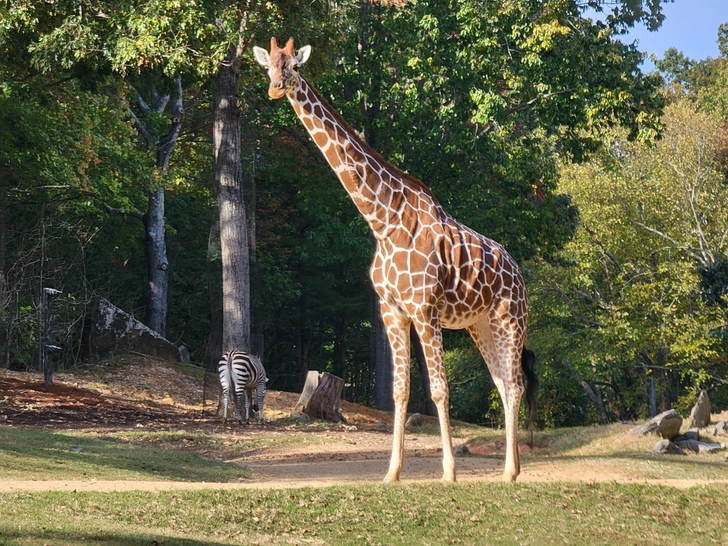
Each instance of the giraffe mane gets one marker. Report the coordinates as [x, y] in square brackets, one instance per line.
[354, 135]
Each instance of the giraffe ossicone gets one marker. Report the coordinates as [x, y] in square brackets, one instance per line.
[429, 270]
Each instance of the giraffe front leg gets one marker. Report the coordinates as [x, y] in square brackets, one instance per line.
[430, 334]
[398, 334]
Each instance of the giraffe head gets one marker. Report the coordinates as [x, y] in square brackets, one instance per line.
[282, 66]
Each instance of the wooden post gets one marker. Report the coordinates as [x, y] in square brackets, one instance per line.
[320, 396]
[46, 309]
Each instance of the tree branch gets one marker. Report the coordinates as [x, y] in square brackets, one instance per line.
[132, 213]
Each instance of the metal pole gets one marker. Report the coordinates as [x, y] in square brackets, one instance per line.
[47, 320]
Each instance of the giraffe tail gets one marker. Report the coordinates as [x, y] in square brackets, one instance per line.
[528, 363]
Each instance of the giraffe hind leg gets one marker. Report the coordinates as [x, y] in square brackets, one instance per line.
[430, 334]
[501, 347]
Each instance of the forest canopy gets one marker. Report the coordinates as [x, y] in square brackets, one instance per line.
[533, 122]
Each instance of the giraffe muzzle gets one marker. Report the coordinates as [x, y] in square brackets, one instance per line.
[276, 90]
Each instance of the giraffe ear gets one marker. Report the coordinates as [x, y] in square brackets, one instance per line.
[262, 56]
[303, 54]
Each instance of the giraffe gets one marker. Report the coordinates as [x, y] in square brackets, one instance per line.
[429, 270]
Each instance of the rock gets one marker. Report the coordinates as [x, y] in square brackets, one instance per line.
[667, 424]
[721, 429]
[111, 331]
[666, 446]
[688, 445]
[700, 414]
[698, 447]
[692, 434]
[708, 447]
[462, 450]
[304, 418]
[415, 420]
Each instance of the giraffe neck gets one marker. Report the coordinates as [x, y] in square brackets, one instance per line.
[379, 190]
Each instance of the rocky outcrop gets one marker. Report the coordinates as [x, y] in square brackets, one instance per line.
[110, 331]
[667, 424]
[666, 446]
[415, 420]
[700, 414]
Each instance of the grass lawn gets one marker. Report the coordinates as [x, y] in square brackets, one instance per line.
[472, 513]
[28, 454]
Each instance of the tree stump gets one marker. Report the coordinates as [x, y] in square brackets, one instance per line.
[320, 396]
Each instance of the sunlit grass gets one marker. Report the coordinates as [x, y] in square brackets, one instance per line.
[405, 514]
[27, 454]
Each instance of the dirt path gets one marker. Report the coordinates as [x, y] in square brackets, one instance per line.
[159, 397]
[282, 475]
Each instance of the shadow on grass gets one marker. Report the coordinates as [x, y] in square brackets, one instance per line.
[52, 538]
[30, 453]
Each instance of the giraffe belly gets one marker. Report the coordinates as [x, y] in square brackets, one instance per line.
[456, 316]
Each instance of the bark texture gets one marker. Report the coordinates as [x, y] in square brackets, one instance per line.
[320, 396]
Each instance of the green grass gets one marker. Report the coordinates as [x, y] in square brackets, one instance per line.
[426, 513]
[482, 513]
[27, 454]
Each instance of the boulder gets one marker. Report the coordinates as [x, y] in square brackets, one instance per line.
[666, 446]
[709, 447]
[462, 450]
[700, 414]
[721, 429]
[666, 424]
[111, 331]
[688, 445]
[415, 420]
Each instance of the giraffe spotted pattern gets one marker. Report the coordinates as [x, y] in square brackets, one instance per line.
[429, 270]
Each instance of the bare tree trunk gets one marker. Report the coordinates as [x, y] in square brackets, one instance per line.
[5, 354]
[231, 206]
[155, 243]
[155, 251]
[213, 351]
[595, 395]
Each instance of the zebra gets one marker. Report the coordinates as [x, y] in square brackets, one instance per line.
[243, 373]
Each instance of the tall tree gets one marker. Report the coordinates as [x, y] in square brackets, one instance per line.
[622, 307]
[155, 244]
[230, 198]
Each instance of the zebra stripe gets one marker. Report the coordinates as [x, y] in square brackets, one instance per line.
[242, 373]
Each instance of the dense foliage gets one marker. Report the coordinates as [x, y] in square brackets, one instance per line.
[489, 103]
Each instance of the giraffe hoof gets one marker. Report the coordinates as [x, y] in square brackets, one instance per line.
[448, 479]
[390, 479]
[509, 477]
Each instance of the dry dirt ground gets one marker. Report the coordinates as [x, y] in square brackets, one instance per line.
[149, 395]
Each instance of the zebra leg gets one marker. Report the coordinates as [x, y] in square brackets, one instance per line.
[261, 394]
[238, 403]
[225, 396]
[246, 397]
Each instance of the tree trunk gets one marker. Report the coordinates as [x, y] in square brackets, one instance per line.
[4, 340]
[320, 396]
[595, 395]
[154, 224]
[213, 351]
[155, 251]
[231, 208]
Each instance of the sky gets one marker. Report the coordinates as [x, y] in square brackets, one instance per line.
[691, 26]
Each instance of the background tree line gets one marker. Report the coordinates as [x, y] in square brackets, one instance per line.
[141, 160]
